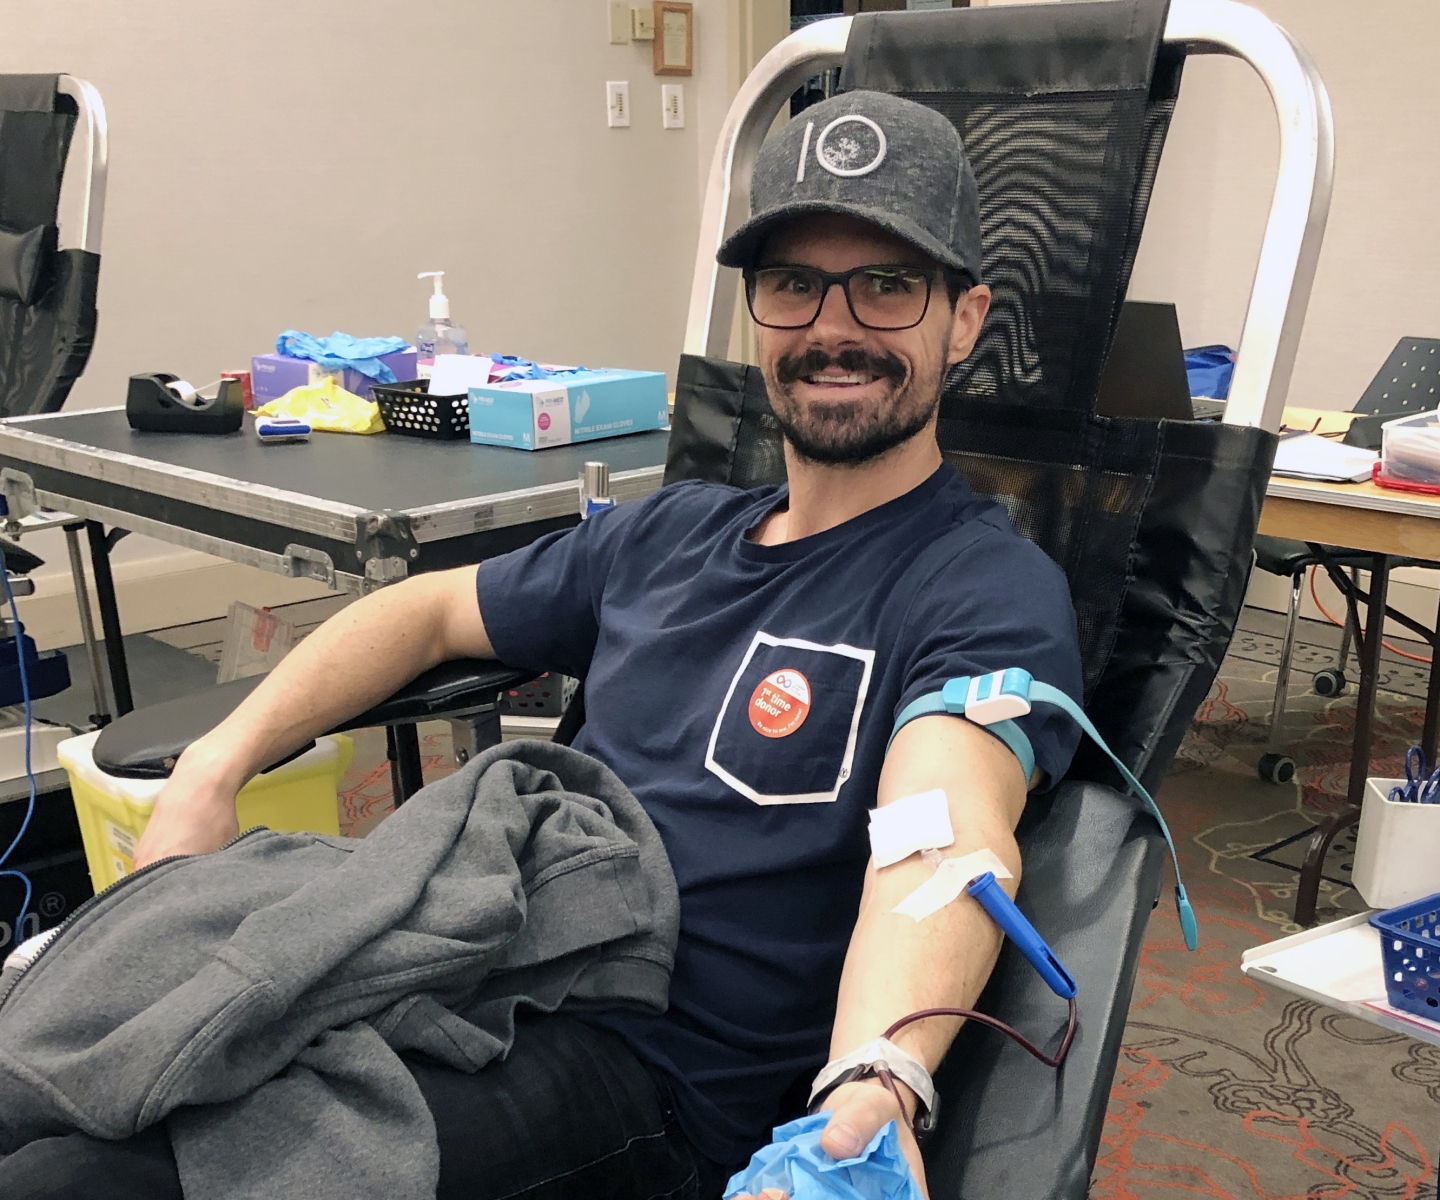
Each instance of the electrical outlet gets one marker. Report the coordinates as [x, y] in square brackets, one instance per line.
[618, 12]
[642, 27]
[672, 105]
[617, 104]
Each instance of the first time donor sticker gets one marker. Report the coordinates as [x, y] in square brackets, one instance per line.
[780, 703]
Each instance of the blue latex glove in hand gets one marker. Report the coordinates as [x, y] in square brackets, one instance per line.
[341, 350]
[795, 1164]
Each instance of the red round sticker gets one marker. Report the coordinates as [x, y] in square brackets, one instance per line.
[543, 420]
[780, 703]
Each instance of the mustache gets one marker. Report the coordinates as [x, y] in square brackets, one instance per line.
[790, 368]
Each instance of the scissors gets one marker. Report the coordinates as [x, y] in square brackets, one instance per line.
[1417, 788]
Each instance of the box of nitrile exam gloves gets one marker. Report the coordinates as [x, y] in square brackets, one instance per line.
[272, 375]
[576, 406]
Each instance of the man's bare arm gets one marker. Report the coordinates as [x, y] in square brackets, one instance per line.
[896, 965]
[361, 655]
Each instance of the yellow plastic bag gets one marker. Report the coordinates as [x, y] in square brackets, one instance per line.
[326, 407]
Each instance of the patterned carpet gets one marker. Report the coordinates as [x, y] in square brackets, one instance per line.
[1226, 1088]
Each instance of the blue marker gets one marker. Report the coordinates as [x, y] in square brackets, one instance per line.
[1003, 912]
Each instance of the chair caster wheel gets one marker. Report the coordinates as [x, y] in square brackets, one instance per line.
[1276, 768]
[1329, 682]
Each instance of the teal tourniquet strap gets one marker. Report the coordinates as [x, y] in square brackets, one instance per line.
[1010, 693]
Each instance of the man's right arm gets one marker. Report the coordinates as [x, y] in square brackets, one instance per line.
[363, 654]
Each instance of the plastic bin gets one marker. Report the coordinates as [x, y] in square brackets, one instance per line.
[300, 795]
[1410, 448]
[1410, 945]
[409, 409]
[1397, 850]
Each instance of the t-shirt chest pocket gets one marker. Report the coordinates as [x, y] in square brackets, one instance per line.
[786, 731]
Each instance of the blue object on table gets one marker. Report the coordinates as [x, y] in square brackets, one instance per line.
[1410, 949]
[1418, 788]
[512, 366]
[1018, 929]
[1209, 369]
[795, 1164]
[341, 350]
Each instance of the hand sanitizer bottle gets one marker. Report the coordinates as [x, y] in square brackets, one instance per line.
[439, 335]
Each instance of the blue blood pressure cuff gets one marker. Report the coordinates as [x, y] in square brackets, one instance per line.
[995, 700]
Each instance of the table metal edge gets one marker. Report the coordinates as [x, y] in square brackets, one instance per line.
[276, 506]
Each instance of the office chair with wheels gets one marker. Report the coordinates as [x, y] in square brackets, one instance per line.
[1408, 382]
[1063, 109]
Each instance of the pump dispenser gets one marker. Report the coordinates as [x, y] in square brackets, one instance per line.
[438, 335]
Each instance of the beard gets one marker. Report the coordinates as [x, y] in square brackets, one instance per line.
[845, 433]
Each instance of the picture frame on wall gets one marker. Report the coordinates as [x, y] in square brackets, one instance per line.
[674, 37]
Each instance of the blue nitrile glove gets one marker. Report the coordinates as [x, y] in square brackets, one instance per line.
[340, 351]
[1209, 369]
[512, 366]
[796, 1165]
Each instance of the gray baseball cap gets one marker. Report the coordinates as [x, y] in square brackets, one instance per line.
[885, 160]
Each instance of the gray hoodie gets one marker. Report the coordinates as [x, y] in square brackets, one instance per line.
[254, 999]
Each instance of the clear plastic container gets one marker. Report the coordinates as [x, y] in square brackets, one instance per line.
[1410, 448]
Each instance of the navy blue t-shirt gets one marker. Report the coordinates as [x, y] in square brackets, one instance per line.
[745, 694]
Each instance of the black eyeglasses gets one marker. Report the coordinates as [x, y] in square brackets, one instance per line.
[880, 297]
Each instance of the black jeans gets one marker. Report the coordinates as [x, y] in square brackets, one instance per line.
[571, 1113]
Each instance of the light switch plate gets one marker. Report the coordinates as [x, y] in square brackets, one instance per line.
[618, 12]
[642, 27]
[672, 105]
[617, 104]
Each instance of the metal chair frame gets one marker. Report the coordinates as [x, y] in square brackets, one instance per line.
[1299, 205]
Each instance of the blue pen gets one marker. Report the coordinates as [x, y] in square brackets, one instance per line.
[1003, 912]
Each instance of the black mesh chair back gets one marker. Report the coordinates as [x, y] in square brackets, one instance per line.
[47, 295]
[1063, 109]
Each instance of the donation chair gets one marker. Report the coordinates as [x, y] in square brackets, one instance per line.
[1063, 109]
[47, 294]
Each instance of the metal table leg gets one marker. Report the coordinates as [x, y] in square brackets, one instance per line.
[402, 747]
[1369, 649]
[101, 715]
[109, 618]
[1431, 728]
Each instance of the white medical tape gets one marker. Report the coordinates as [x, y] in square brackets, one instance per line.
[909, 1071]
[184, 390]
[912, 823]
[950, 879]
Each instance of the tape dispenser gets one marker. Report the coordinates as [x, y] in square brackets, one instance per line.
[161, 403]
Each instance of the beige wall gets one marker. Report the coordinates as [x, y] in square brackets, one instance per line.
[1378, 270]
[279, 165]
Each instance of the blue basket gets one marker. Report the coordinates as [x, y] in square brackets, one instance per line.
[1410, 943]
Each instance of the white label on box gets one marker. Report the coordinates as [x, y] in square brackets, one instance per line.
[552, 417]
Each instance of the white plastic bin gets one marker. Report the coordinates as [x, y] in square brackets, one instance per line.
[1397, 852]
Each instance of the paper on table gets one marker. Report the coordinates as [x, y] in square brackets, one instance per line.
[456, 374]
[1309, 456]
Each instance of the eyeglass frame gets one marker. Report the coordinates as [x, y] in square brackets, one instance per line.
[829, 279]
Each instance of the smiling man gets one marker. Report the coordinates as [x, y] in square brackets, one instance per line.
[745, 657]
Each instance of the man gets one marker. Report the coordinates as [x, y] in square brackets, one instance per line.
[745, 655]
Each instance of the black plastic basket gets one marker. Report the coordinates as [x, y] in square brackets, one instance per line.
[407, 408]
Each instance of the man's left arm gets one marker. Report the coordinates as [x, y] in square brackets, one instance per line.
[896, 965]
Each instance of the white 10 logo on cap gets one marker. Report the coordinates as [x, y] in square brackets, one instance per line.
[844, 157]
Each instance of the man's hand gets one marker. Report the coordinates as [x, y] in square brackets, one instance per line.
[195, 811]
[858, 1111]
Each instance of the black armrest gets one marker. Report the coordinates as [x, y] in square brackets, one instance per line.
[144, 744]
[1009, 1125]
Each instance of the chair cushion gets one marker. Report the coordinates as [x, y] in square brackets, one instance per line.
[1009, 1125]
[144, 744]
